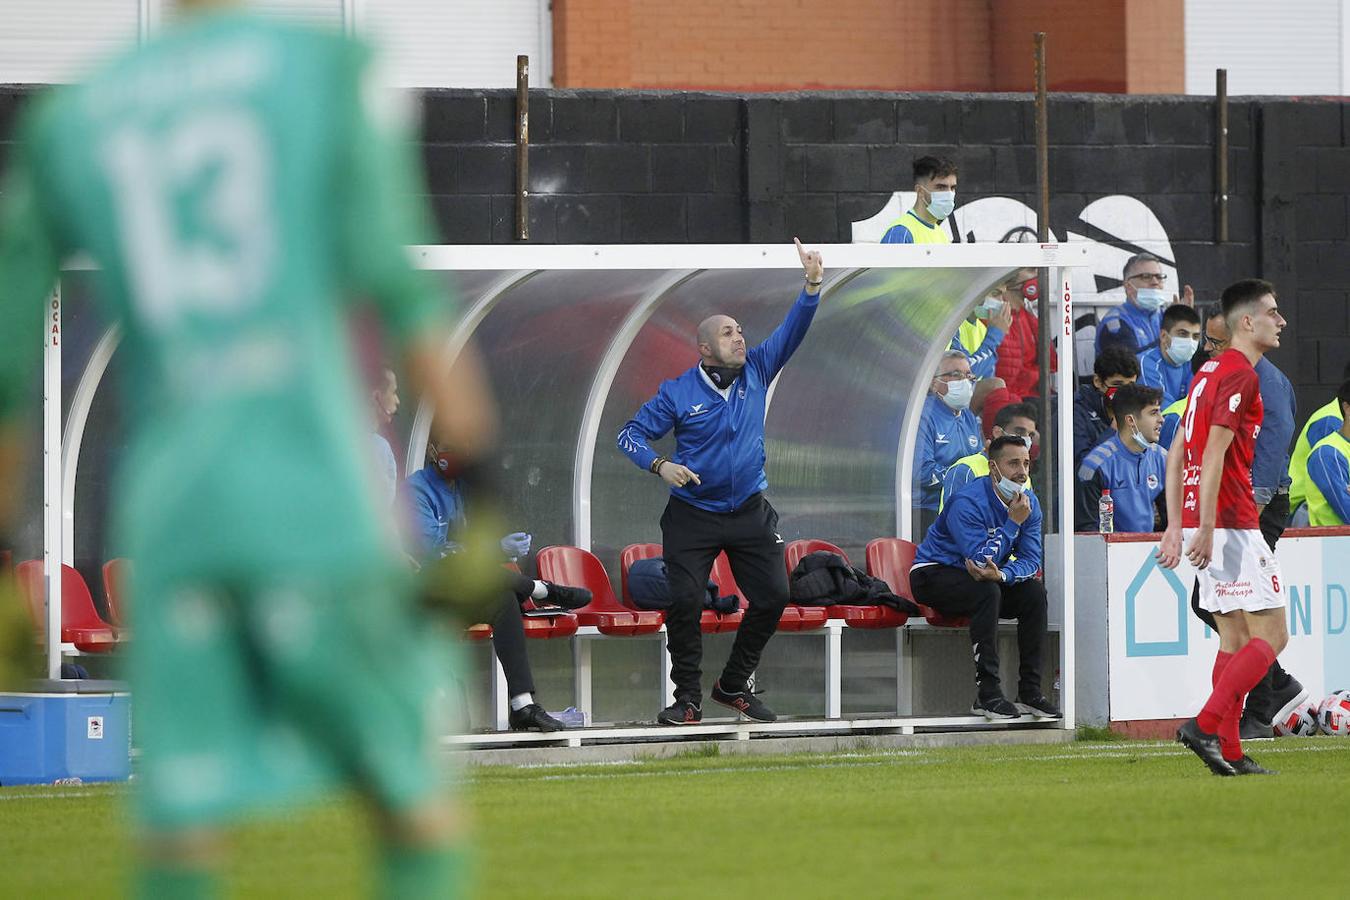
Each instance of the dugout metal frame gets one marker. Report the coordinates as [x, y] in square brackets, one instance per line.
[680, 264]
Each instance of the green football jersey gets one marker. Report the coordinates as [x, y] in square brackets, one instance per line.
[237, 183]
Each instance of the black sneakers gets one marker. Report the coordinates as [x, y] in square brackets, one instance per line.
[566, 597]
[1249, 766]
[744, 702]
[1205, 746]
[681, 712]
[533, 718]
[1038, 705]
[996, 707]
[1252, 729]
[1284, 700]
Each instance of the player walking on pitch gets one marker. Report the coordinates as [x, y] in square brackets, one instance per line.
[1210, 504]
[237, 182]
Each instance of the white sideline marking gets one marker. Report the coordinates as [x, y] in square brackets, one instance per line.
[57, 795]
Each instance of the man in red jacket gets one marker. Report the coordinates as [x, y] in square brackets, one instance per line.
[1018, 360]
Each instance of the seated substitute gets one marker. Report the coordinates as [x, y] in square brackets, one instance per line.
[1167, 364]
[1017, 420]
[1129, 464]
[1329, 471]
[980, 560]
[1113, 368]
[981, 333]
[434, 498]
[948, 430]
[1324, 421]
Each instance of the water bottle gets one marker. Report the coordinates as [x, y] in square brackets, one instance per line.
[1106, 513]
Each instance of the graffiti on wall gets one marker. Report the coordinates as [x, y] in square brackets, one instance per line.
[1115, 228]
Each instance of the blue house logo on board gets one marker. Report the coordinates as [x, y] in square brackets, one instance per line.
[1170, 584]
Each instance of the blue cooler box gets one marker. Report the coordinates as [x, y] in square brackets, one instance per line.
[66, 730]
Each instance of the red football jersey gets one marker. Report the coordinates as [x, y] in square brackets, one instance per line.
[1225, 392]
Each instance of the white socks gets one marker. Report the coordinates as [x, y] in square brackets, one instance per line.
[520, 701]
[540, 591]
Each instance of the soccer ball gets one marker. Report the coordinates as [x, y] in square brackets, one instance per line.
[1333, 713]
[1301, 722]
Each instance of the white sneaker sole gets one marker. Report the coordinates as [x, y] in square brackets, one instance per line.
[990, 714]
[1033, 711]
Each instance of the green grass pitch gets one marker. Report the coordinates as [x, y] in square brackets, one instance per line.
[1080, 820]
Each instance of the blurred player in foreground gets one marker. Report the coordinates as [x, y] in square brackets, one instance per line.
[1210, 503]
[238, 183]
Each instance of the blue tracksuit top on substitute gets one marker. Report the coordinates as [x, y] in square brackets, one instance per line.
[974, 525]
[436, 508]
[984, 359]
[1130, 327]
[1270, 458]
[1157, 371]
[944, 437]
[1135, 481]
[722, 440]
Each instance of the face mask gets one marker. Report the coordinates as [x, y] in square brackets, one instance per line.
[958, 394]
[1111, 392]
[1182, 349]
[941, 204]
[1150, 299]
[1008, 487]
[1139, 437]
[991, 307]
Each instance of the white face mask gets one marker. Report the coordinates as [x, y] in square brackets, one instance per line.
[991, 307]
[941, 204]
[1150, 299]
[959, 393]
[1139, 437]
[1007, 486]
[1182, 349]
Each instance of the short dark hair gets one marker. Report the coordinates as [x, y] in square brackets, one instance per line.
[926, 167]
[1343, 395]
[1115, 361]
[1006, 440]
[1241, 293]
[1003, 418]
[1132, 399]
[1136, 260]
[1179, 312]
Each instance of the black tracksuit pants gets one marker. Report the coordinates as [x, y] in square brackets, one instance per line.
[691, 540]
[508, 637]
[953, 592]
[1260, 698]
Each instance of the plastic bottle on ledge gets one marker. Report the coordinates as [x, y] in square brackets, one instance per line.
[1106, 513]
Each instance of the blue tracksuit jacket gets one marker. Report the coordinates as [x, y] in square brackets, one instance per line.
[944, 437]
[437, 510]
[974, 525]
[1156, 370]
[722, 440]
[1130, 327]
[1135, 481]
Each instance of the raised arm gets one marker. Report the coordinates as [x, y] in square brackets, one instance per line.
[771, 355]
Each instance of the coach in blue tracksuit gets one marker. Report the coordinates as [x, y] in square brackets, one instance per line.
[717, 502]
[980, 560]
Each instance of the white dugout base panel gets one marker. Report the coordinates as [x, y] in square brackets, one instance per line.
[575, 339]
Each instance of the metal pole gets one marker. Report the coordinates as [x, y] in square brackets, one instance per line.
[1049, 437]
[1221, 155]
[522, 148]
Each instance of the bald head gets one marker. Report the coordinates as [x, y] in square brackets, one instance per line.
[721, 341]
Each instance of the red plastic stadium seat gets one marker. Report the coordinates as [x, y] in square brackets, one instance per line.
[579, 568]
[804, 618]
[115, 573]
[711, 621]
[890, 559]
[80, 624]
[854, 615]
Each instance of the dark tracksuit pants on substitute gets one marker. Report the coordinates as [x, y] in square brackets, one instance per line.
[953, 592]
[508, 637]
[691, 540]
[1260, 698]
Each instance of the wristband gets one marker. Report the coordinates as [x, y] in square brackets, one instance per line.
[655, 467]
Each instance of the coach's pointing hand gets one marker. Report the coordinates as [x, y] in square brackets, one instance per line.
[677, 475]
[813, 265]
